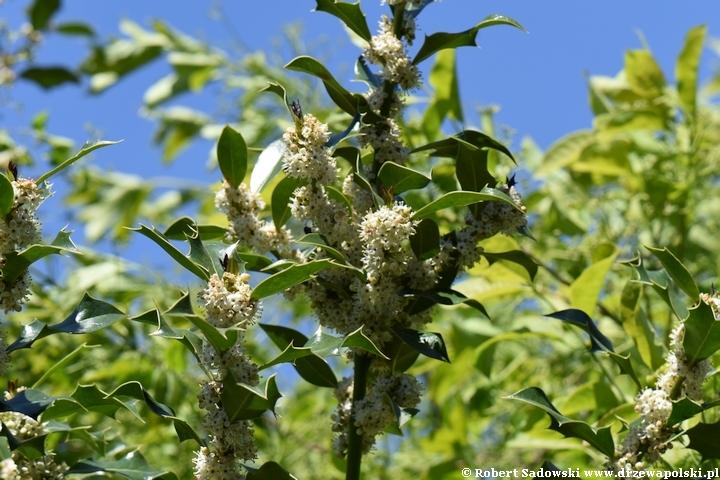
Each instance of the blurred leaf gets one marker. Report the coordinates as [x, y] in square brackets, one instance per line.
[565, 151]
[515, 256]
[439, 41]
[41, 11]
[350, 14]
[601, 439]
[585, 290]
[644, 74]
[133, 466]
[638, 327]
[430, 344]
[49, 77]
[75, 28]
[87, 148]
[683, 409]
[686, 68]
[269, 471]
[445, 101]
[232, 156]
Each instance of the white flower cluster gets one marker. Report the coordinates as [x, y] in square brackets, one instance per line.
[19, 467]
[243, 209]
[648, 438]
[385, 139]
[228, 302]
[373, 413]
[18, 230]
[229, 305]
[388, 50]
[496, 217]
[307, 157]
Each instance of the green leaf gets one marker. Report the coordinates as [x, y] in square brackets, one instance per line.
[402, 416]
[232, 156]
[425, 242]
[443, 296]
[637, 326]
[601, 439]
[90, 315]
[677, 271]
[430, 344]
[269, 471]
[704, 439]
[686, 68]
[17, 262]
[659, 280]
[350, 13]
[7, 196]
[318, 241]
[357, 339]
[446, 99]
[440, 41]
[28, 402]
[400, 178]
[514, 256]
[472, 168]
[291, 276]
[49, 77]
[402, 355]
[683, 409]
[183, 227]
[242, 402]
[565, 151]
[29, 333]
[578, 318]
[585, 290]
[176, 254]
[449, 147]
[41, 11]
[75, 28]
[702, 334]
[335, 194]
[132, 466]
[268, 165]
[461, 199]
[342, 98]
[643, 74]
[280, 200]
[32, 448]
[485, 352]
[219, 341]
[87, 148]
[61, 364]
[625, 366]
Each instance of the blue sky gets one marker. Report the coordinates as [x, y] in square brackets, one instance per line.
[537, 78]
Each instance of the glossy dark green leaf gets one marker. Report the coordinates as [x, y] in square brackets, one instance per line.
[242, 402]
[32, 448]
[686, 68]
[514, 256]
[85, 398]
[359, 340]
[220, 341]
[461, 199]
[176, 254]
[704, 439]
[291, 276]
[402, 416]
[87, 148]
[472, 168]
[440, 41]
[280, 202]
[289, 355]
[363, 183]
[677, 271]
[316, 371]
[232, 156]
[132, 466]
[425, 242]
[446, 296]
[7, 195]
[186, 226]
[28, 335]
[350, 14]
[702, 333]
[337, 195]
[29, 402]
[449, 147]
[17, 262]
[659, 280]
[400, 178]
[430, 344]
[601, 439]
[578, 318]
[49, 77]
[41, 11]
[318, 241]
[89, 316]
[257, 263]
[269, 471]
[341, 96]
[683, 409]
[135, 390]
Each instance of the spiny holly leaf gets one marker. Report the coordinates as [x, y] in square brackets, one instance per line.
[440, 41]
[402, 416]
[186, 226]
[17, 262]
[659, 280]
[132, 466]
[291, 276]
[32, 448]
[704, 438]
[401, 178]
[461, 199]
[89, 316]
[242, 402]
[85, 398]
[220, 341]
[357, 339]
[682, 410]
[601, 438]
[176, 254]
[350, 13]
[702, 333]
[430, 344]
[87, 148]
[445, 296]
[450, 147]
[135, 390]
[29, 402]
[232, 156]
[677, 271]
[269, 471]
[29, 334]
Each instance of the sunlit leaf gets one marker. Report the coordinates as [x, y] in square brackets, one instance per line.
[132, 466]
[87, 148]
[430, 344]
[232, 156]
[350, 13]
